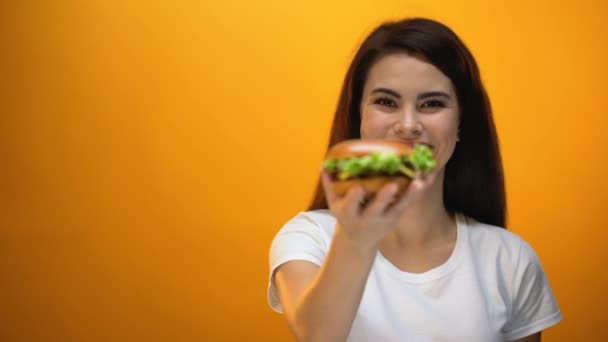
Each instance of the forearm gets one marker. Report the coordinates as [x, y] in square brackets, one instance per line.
[326, 309]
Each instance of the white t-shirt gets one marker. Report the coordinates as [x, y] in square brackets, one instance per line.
[492, 288]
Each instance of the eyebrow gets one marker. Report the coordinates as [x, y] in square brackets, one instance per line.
[420, 96]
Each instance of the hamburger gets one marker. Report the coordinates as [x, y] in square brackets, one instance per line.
[373, 163]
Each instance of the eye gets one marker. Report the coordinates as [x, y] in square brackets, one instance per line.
[433, 104]
[385, 101]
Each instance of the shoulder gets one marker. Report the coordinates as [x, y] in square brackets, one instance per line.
[320, 222]
[306, 236]
[506, 248]
[307, 228]
[486, 237]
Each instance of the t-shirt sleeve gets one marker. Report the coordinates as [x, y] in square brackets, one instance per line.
[301, 238]
[534, 307]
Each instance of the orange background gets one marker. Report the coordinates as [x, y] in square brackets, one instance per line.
[149, 151]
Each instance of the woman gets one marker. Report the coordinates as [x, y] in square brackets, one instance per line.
[434, 263]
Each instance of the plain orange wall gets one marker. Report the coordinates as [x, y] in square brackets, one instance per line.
[151, 150]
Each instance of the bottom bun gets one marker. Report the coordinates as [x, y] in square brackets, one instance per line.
[372, 185]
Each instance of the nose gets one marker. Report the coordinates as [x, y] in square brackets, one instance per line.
[408, 125]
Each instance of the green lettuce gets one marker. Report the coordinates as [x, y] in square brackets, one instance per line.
[421, 159]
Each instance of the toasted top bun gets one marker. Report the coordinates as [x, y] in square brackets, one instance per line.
[357, 148]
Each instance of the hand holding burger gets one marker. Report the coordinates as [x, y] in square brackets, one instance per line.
[367, 216]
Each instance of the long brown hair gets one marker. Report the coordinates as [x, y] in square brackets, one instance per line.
[474, 180]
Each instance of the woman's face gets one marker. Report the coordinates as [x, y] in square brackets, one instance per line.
[408, 99]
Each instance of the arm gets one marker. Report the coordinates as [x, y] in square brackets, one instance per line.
[320, 303]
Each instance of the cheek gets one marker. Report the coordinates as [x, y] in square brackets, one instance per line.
[446, 134]
[452, 140]
[373, 126]
[448, 125]
[452, 133]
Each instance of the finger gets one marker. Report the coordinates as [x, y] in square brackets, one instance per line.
[351, 202]
[326, 182]
[382, 200]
